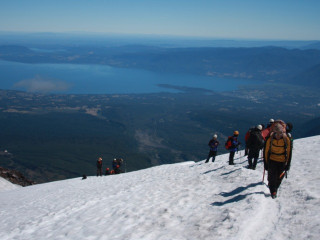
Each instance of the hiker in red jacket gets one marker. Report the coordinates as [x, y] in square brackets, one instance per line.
[266, 132]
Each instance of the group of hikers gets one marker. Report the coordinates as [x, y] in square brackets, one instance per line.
[116, 167]
[274, 140]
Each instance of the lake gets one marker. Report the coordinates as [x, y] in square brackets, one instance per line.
[101, 79]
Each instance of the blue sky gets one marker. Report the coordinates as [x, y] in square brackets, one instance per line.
[247, 19]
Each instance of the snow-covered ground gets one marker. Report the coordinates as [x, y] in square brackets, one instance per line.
[170, 202]
[6, 185]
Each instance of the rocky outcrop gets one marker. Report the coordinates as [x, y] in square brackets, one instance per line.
[15, 177]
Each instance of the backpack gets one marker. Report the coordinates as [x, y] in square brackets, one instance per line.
[255, 140]
[247, 136]
[228, 143]
[278, 125]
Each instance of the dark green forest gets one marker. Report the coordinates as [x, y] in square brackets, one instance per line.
[53, 137]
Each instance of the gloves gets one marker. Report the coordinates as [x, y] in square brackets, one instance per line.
[265, 165]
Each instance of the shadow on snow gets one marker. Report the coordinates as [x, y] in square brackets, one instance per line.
[238, 196]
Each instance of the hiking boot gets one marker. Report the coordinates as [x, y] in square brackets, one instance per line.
[254, 168]
[249, 167]
[274, 195]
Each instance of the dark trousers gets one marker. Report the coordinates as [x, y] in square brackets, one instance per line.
[231, 157]
[246, 150]
[253, 154]
[275, 169]
[99, 172]
[212, 154]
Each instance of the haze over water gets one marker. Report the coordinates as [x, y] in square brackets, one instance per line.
[101, 79]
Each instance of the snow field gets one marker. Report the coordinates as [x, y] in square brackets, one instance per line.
[178, 201]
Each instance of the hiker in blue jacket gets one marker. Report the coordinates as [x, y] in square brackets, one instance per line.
[213, 144]
[234, 146]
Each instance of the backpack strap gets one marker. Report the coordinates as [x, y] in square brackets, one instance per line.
[284, 137]
[271, 139]
[285, 146]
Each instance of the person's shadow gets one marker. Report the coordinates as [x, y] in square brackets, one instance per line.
[237, 196]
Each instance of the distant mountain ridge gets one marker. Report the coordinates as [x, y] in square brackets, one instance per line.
[261, 63]
[310, 77]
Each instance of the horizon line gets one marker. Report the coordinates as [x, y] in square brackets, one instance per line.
[150, 35]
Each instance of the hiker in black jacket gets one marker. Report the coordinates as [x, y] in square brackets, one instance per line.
[213, 144]
[255, 143]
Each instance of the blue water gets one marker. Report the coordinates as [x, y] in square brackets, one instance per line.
[99, 79]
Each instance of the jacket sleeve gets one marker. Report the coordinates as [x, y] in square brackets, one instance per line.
[262, 142]
[289, 152]
[266, 150]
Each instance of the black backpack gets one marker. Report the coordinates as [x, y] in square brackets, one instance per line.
[255, 140]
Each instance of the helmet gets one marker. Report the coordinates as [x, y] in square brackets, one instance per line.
[271, 120]
[215, 136]
[259, 127]
[236, 133]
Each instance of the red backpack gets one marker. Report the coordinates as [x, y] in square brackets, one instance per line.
[228, 143]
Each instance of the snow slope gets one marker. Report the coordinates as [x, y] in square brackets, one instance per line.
[6, 185]
[179, 201]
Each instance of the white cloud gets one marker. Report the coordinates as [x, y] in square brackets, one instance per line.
[39, 84]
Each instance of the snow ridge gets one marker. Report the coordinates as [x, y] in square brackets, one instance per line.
[177, 201]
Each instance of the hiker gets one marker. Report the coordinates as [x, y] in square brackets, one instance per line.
[277, 155]
[117, 170]
[114, 163]
[99, 167]
[271, 121]
[108, 172]
[117, 161]
[254, 144]
[289, 128]
[246, 138]
[266, 132]
[232, 145]
[213, 144]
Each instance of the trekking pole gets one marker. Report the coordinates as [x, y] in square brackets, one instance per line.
[281, 175]
[264, 171]
[284, 173]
